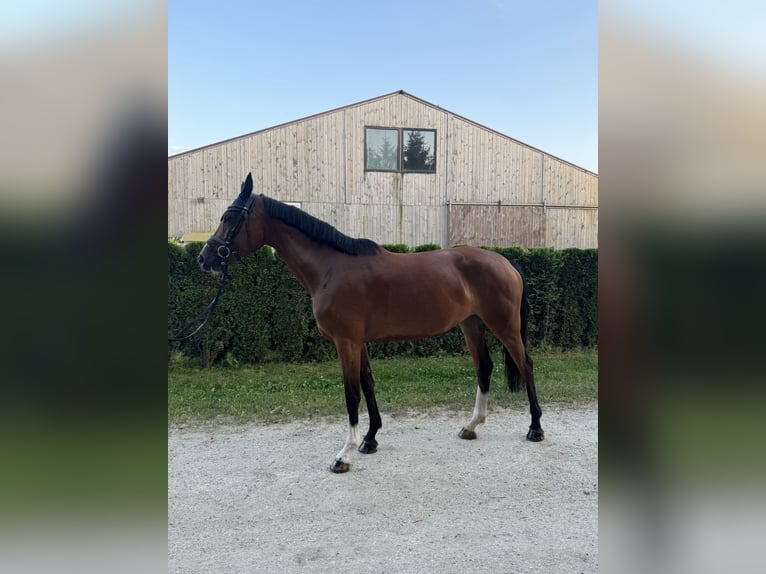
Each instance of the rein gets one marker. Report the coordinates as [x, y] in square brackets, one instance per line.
[206, 313]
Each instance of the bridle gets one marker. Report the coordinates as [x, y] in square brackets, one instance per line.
[242, 207]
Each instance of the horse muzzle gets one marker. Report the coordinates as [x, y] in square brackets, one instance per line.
[213, 259]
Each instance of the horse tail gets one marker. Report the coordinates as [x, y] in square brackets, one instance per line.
[512, 374]
[524, 308]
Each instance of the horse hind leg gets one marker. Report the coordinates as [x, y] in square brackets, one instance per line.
[518, 365]
[474, 332]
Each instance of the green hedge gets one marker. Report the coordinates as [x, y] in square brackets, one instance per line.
[264, 314]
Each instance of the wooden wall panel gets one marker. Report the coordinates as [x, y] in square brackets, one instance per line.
[497, 226]
[484, 167]
[572, 228]
[412, 225]
[567, 185]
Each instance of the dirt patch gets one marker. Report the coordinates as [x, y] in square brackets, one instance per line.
[261, 498]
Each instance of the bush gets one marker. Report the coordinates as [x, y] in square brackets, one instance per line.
[396, 247]
[426, 247]
[265, 315]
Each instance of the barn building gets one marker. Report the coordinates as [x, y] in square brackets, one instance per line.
[394, 169]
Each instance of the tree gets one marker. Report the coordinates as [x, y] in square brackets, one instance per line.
[383, 156]
[417, 154]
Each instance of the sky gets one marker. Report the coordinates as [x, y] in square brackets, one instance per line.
[527, 69]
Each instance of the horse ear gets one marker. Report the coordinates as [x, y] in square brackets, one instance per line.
[247, 187]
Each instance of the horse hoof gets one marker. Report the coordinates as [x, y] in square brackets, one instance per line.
[339, 466]
[368, 447]
[467, 434]
[535, 435]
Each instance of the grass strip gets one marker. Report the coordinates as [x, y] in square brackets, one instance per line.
[278, 392]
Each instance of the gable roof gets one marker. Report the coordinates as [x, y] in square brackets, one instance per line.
[363, 102]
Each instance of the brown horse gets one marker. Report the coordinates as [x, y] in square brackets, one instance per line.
[361, 292]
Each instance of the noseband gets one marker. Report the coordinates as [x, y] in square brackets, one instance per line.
[243, 208]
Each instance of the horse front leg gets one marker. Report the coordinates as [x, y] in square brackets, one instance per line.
[474, 332]
[350, 360]
[369, 444]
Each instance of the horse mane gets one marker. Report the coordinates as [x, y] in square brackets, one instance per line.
[317, 229]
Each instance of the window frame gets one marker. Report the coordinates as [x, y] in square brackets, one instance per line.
[400, 150]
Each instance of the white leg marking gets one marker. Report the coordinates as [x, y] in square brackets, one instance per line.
[352, 442]
[479, 410]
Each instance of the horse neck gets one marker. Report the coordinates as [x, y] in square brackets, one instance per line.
[306, 258]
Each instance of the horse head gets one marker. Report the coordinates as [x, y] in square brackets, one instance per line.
[233, 236]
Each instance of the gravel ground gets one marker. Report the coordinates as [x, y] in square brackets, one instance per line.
[258, 498]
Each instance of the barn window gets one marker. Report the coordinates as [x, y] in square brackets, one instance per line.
[418, 150]
[382, 149]
[393, 149]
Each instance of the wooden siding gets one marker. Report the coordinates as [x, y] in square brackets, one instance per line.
[527, 226]
[496, 226]
[319, 162]
[568, 186]
[487, 167]
[410, 224]
[571, 228]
